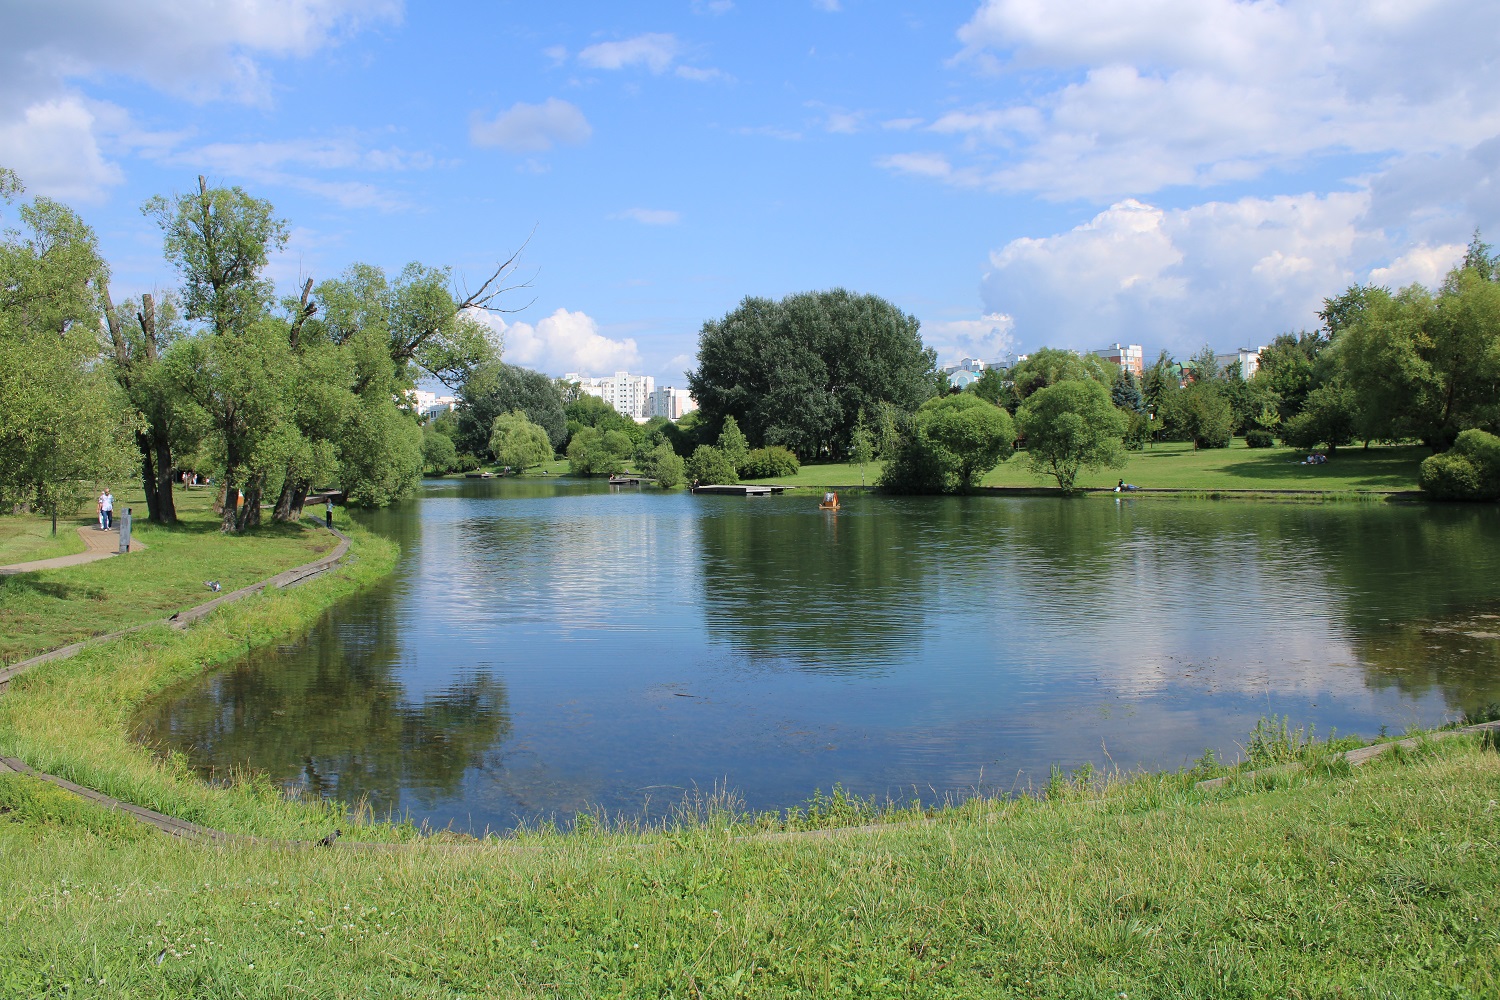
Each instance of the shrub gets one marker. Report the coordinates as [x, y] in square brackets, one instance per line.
[770, 463]
[665, 466]
[710, 466]
[1258, 437]
[1469, 471]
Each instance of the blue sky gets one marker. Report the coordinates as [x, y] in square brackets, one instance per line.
[1016, 173]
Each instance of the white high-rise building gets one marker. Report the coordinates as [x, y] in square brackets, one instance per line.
[627, 393]
[670, 403]
[1128, 356]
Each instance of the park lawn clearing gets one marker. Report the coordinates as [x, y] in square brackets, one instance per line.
[27, 538]
[1374, 882]
[50, 608]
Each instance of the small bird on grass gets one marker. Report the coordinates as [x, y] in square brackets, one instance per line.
[212, 585]
[328, 840]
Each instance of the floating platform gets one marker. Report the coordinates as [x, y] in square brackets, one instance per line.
[741, 491]
[479, 475]
[625, 480]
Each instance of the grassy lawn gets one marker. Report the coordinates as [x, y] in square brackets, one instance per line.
[1375, 883]
[25, 539]
[1176, 465]
[43, 610]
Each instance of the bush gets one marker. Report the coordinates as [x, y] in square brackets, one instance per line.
[711, 467]
[1258, 437]
[770, 463]
[665, 466]
[1470, 471]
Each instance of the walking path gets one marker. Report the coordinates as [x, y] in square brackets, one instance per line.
[98, 545]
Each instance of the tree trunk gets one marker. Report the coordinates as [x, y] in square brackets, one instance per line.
[293, 497]
[148, 476]
[250, 513]
[166, 505]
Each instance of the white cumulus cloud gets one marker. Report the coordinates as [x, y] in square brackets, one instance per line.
[563, 342]
[654, 50]
[532, 128]
[990, 338]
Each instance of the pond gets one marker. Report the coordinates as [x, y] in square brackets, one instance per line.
[552, 646]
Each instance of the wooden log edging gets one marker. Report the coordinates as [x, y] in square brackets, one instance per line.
[287, 578]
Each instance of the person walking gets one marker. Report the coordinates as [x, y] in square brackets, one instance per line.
[107, 508]
[328, 512]
[100, 506]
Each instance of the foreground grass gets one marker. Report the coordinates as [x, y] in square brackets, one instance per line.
[1376, 883]
[1175, 465]
[72, 717]
[51, 608]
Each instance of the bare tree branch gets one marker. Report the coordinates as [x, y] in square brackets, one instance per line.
[485, 296]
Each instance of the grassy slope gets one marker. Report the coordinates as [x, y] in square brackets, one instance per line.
[43, 610]
[71, 717]
[1377, 883]
[26, 539]
[1175, 465]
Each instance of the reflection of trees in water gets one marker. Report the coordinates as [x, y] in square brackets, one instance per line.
[828, 591]
[1458, 657]
[327, 717]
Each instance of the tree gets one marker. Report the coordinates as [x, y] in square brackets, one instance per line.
[993, 386]
[138, 347]
[1051, 365]
[796, 372]
[63, 422]
[1126, 393]
[665, 466]
[1426, 366]
[1203, 413]
[517, 442]
[596, 452]
[499, 388]
[861, 445]
[1069, 427]
[1328, 418]
[439, 455]
[1470, 470]
[708, 465]
[733, 444]
[948, 446]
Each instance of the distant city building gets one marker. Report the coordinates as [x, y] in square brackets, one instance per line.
[1130, 357]
[627, 393]
[966, 372]
[1247, 360]
[430, 404]
[670, 403]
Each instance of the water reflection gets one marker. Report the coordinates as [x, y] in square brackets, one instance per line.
[548, 646]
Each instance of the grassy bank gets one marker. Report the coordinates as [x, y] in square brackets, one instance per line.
[51, 608]
[1371, 883]
[1175, 465]
[26, 539]
[70, 717]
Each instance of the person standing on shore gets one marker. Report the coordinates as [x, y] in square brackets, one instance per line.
[328, 512]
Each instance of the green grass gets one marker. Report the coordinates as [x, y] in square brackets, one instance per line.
[24, 538]
[72, 717]
[1175, 465]
[1376, 883]
[51, 608]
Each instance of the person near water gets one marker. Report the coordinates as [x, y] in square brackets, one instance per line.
[328, 512]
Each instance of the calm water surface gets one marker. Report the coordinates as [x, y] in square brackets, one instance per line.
[552, 646]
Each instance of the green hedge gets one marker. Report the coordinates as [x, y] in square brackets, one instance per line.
[1469, 471]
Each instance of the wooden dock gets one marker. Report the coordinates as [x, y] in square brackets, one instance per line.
[739, 490]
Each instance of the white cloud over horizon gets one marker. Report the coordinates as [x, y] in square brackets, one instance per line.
[563, 342]
[989, 338]
[1227, 273]
[649, 216]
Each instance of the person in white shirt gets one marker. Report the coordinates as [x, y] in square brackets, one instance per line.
[107, 509]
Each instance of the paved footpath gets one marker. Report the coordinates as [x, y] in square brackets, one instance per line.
[100, 545]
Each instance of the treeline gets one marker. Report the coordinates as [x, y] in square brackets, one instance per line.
[270, 398]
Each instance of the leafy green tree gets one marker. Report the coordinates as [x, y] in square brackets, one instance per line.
[861, 445]
[994, 386]
[1204, 414]
[732, 443]
[665, 466]
[1069, 427]
[596, 452]
[973, 436]
[1051, 365]
[63, 422]
[796, 372]
[517, 442]
[914, 464]
[499, 388]
[1423, 365]
[439, 456]
[711, 467]
[1328, 418]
